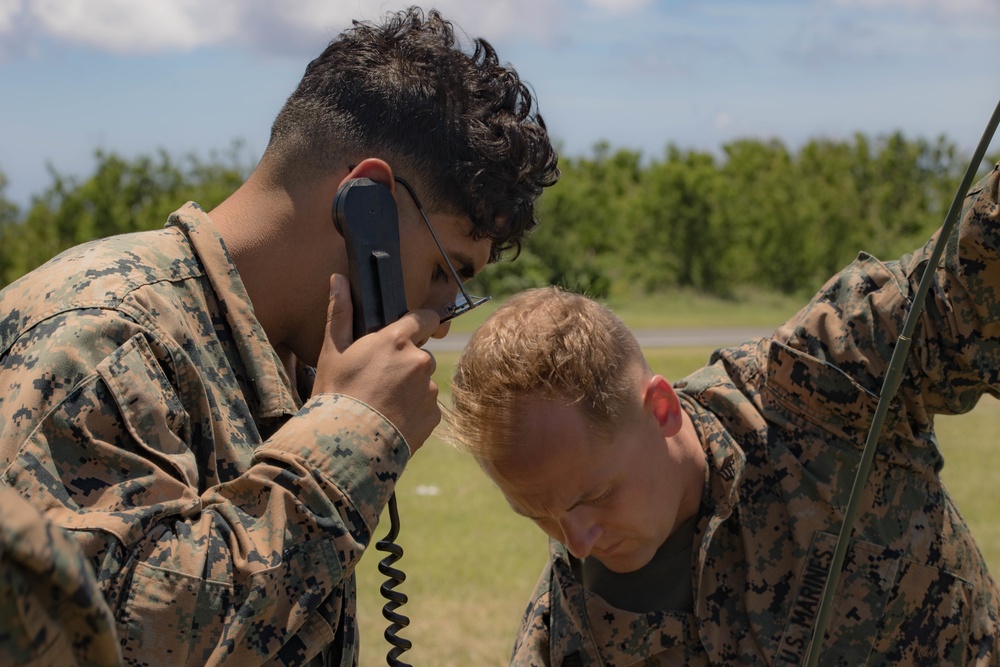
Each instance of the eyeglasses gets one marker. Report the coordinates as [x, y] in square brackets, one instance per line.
[465, 302]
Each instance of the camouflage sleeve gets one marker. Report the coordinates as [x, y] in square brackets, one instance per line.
[855, 321]
[202, 571]
[531, 646]
[958, 341]
[51, 610]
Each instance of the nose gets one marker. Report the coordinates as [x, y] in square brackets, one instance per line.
[580, 533]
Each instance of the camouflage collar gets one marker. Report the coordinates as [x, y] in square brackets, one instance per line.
[726, 460]
[274, 391]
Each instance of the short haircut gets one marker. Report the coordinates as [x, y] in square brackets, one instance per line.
[458, 125]
[543, 343]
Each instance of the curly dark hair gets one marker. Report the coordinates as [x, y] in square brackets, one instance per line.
[459, 124]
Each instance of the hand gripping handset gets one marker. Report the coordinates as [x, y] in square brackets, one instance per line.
[364, 213]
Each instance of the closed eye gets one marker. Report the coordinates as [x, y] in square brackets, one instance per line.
[596, 500]
[441, 273]
[601, 498]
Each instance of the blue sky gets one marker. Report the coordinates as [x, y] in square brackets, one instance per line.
[137, 76]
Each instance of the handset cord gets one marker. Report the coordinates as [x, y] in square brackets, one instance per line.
[890, 385]
[396, 599]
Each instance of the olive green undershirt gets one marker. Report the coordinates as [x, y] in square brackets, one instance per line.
[663, 584]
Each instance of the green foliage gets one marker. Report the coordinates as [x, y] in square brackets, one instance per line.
[597, 198]
[617, 225]
[676, 218]
[9, 215]
[121, 196]
[757, 215]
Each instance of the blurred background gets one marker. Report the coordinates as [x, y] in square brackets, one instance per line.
[721, 159]
[707, 145]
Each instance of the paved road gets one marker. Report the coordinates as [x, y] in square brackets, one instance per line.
[651, 338]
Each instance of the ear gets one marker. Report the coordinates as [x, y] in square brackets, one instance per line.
[660, 400]
[373, 169]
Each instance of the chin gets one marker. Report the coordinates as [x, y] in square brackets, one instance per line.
[625, 561]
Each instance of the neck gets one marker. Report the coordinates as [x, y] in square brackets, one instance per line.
[284, 254]
[696, 466]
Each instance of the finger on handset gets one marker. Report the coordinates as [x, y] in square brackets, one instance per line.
[418, 325]
[340, 313]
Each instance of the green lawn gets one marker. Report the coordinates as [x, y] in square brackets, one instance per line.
[679, 309]
[471, 563]
[972, 472]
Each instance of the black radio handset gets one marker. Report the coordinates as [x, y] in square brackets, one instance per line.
[364, 213]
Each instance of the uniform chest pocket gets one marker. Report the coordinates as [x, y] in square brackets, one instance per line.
[887, 609]
[150, 408]
[814, 394]
[927, 619]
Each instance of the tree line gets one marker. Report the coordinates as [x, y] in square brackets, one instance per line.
[754, 214]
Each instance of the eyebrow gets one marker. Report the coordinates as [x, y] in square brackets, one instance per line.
[464, 265]
[583, 499]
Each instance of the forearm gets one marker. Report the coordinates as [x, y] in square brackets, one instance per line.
[854, 322]
[958, 339]
[241, 566]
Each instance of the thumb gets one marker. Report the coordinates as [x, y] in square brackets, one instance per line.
[339, 313]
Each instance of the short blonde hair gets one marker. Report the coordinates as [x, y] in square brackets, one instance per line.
[542, 343]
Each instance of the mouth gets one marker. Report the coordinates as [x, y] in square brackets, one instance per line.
[611, 550]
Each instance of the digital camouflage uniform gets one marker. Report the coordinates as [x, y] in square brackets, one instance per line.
[51, 611]
[143, 410]
[783, 421]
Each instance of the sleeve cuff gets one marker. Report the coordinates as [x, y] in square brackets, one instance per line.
[350, 444]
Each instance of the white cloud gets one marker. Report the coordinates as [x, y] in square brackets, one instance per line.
[537, 20]
[620, 6]
[723, 120]
[121, 26]
[988, 8]
[153, 26]
[8, 10]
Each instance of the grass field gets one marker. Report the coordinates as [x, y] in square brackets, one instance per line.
[679, 309]
[471, 563]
